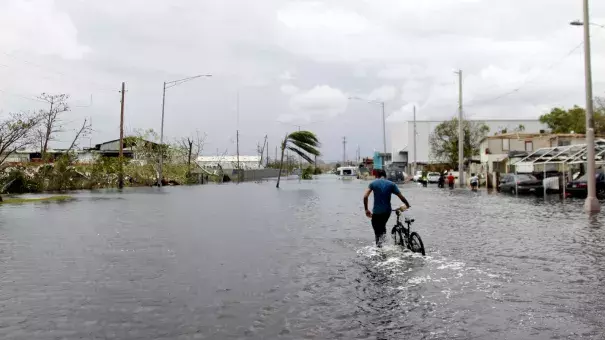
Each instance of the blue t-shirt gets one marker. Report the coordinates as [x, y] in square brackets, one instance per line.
[383, 189]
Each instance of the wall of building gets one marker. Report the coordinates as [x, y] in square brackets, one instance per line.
[110, 146]
[17, 158]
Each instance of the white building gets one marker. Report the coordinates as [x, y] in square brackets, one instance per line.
[229, 162]
[402, 136]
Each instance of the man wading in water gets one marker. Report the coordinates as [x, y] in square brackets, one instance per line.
[383, 189]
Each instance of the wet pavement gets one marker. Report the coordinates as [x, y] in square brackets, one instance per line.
[251, 262]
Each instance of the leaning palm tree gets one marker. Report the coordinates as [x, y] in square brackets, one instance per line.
[303, 143]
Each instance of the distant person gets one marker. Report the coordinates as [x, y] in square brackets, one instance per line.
[382, 189]
[474, 182]
[441, 181]
[450, 180]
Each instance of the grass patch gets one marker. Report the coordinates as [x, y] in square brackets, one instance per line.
[17, 200]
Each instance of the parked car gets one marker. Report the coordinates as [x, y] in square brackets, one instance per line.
[396, 175]
[417, 176]
[433, 177]
[579, 187]
[520, 183]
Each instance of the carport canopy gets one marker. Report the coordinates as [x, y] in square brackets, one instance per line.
[569, 154]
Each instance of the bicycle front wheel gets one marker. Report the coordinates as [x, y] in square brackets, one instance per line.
[415, 244]
[397, 237]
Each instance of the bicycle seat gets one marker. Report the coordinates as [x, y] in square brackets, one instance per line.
[409, 220]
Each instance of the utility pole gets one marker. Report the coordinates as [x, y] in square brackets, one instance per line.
[237, 139]
[237, 146]
[591, 204]
[384, 131]
[415, 159]
[344, 151]
[121, 175]
[460, 133]
[161, 172]
[267, 151]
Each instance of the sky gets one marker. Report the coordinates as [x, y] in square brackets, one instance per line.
[292, 64]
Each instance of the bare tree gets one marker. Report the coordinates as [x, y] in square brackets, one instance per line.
[83, 132]
[16, 132]
[51, 122]
[191, 147]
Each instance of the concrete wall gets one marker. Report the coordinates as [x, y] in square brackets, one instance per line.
[17, 158]
[257, 174]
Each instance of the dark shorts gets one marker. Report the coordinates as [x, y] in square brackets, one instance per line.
[474, 184]
[379, 223]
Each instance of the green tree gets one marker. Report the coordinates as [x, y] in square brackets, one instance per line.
[444, 140]
[560, 120]
[303, 143]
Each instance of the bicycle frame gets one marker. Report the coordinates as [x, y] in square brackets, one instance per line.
[408, 221]
[409, 239]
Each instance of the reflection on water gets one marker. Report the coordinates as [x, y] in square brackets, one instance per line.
[249, 261]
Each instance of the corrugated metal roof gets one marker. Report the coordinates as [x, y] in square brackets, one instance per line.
[215, 159]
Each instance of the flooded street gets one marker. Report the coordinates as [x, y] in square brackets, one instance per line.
[249, 261]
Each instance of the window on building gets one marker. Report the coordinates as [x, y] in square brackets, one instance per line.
[529, 146]
[564, 142]
[505, 144]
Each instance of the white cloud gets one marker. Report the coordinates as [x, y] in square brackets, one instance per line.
[38, 26]
[405, 112]
[346, 46]
[289, 89]
[316, 16]
[320, 102]
[287, 75]
[385, 93]
[402, 71]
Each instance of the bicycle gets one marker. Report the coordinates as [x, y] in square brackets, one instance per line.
[403, 236]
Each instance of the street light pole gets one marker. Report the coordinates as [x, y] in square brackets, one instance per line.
[415, 160]
[384, 129]
[168, 85]
[591, 204]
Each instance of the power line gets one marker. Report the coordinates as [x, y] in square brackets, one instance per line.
[20, 96]
[527, 81]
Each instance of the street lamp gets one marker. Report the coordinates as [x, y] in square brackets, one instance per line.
[591, 204]
[384, 134]
[580, 23]
[168, 85]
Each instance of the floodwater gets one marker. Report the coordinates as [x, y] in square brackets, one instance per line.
[251, 262]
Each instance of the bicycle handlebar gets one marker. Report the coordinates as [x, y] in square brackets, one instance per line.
[401, 209]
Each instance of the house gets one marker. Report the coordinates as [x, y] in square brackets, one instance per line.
[402, 136]
[84, 156]
[112, 148]
[499, 151]
[229, 162]
[381, 160]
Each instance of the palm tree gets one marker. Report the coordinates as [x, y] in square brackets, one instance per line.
[303, 143]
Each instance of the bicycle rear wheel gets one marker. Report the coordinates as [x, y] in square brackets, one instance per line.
[415, 244]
